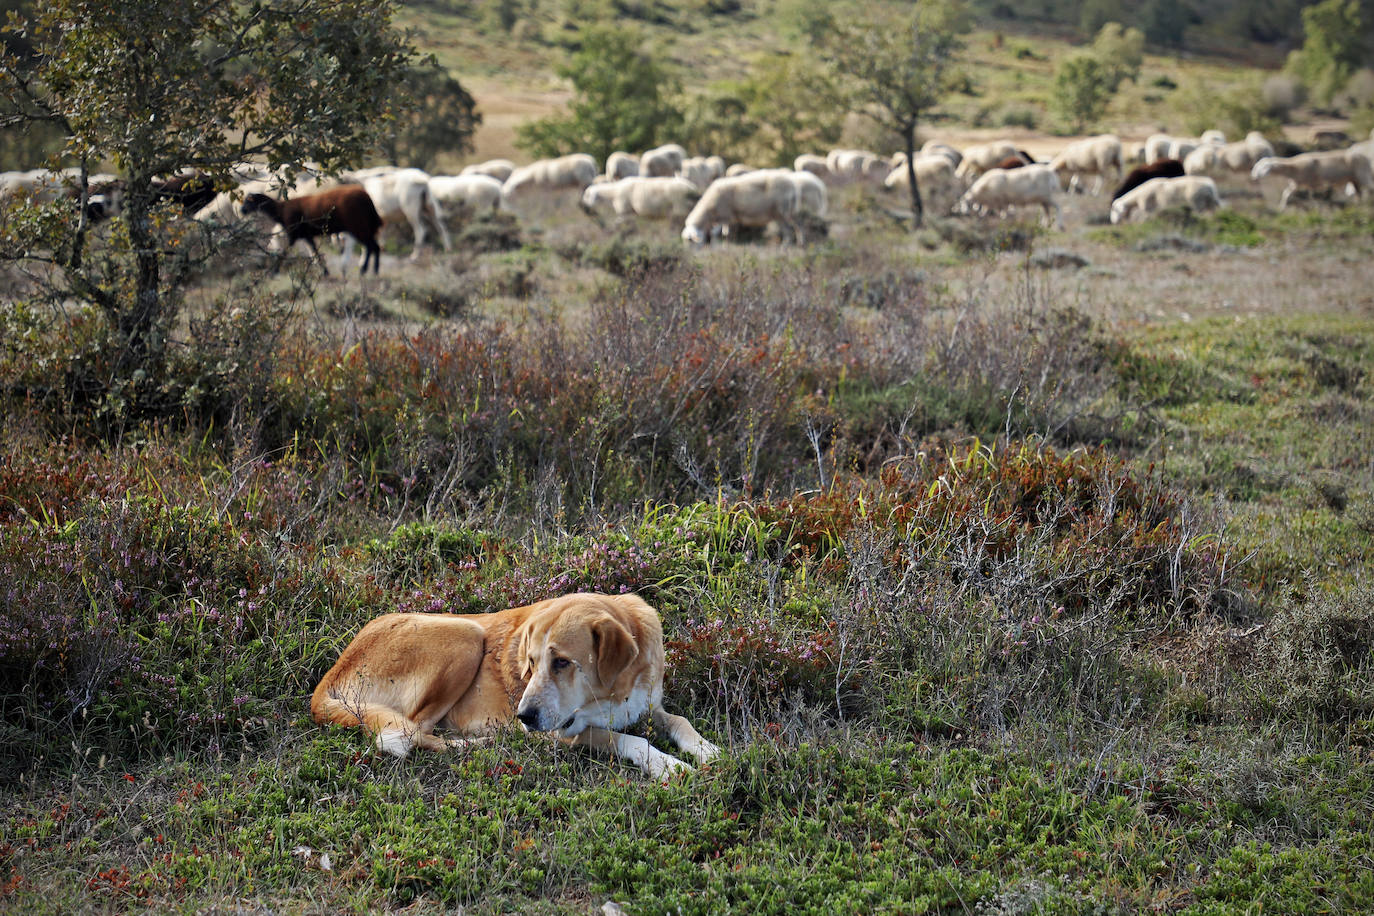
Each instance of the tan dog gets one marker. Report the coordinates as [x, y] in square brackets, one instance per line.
[579, 667]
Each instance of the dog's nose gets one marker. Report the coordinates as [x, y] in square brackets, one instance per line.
[530, 717]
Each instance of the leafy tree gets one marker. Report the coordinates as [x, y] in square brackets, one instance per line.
[1333, 47]
[1121, 51]
[1082, 88]
[622, 99]
[899, 68]
[158, 85]
[786, 107]
[435, 115]
[1164, 21]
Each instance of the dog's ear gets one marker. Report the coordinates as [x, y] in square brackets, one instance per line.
[522, 650]
[615, 648]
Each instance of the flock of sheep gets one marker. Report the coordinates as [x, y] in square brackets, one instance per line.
[711, 199]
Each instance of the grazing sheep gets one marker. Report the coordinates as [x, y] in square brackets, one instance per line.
[467, 195]
[646, 198]
[1160, 168]
[810, 162]
[401, 193]
[1317, 172]
[191, 191]
[1096, 156]
[1181, 147]
[545, 182]
[934, 176]
[936, 148]
[1212, 136]
[812, 197]
[850, 166]
[979, 159]
[1157, 147]
[1012, 162]
[739, 168]
[621, 165]
[1133, 154]
[662, 161]
[346, 209]
[499, 169]
[755, 199]
[997, 190]
[702, 170]
[1197, 192]
[1221, 160]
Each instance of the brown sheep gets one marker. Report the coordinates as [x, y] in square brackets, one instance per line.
[1160, 168]
[1011, 162]
[343, 209]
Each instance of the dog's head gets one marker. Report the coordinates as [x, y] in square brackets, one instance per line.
[573, 653]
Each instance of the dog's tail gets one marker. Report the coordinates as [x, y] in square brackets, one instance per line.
[394, 733]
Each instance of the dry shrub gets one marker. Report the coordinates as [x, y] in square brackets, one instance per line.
[1316, 656]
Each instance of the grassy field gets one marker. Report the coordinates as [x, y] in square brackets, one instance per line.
[1011, 581]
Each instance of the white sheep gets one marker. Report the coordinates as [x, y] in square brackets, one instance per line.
[467, 195]
[621, 165]
[739, 168]
[500, 169]
[662, 161]
[646, 198]
[812, 197]
[1212, 136]
[810, 162]
[1157, 147]
[856, 166]
[934, 148]
[1180, 147]
[934, 176]
[1097, 156]
[545, 183]
[401, 193]
[1220, 160]
[982, 157]
[754, 199]
[702, 170]
[997, 190]
[1197, 192]
[1317, 172]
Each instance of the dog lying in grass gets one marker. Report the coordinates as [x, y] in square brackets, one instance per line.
[577, 667]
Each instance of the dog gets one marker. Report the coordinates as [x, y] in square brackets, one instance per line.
[577, 667]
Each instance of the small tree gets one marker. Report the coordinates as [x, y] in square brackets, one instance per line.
[435, 114]
[1121, 51]
[789, 106]
[1333, 47]
[622, 99]
[160, 85]
[900, 69]
[1082, 88]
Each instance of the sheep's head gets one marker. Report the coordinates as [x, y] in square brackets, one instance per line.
[694, 234]
[256, 202]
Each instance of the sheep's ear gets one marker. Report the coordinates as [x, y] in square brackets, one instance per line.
[615, 648]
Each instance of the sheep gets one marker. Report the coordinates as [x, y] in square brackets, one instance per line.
[1012, 162]
[848, 166]
[647, 198]
[739, 168]
[662, 161]
[1133, 154]
[934, 176]
[190, 190]
[401, 193]
[755, 199]
[344, 209]
[1094, 156]
[1317, 171]
[1180, 147]
[467, 195]
[1160, 168]
[978, 159]
[499, 169]
[1220, 160]
[543, 182]
[998, 189]
[810, 162]
[621, 165]
[935, 148]
[1212, 136]
[1197, 192]
[812, 197]
[702, 170]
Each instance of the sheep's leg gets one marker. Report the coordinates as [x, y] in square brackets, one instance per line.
[1287, 193]
[439, 221]
[416, 217]
[319, 258]
[348, 254]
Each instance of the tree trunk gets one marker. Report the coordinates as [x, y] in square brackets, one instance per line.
[917, 210]
[139, 321]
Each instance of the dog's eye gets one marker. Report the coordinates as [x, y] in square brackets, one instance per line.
[559, 664]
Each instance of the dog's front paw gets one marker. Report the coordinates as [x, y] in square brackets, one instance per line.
[660, 766]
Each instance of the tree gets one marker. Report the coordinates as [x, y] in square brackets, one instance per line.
[1121, 51]
[160, 85]
[899, 69]
[622, 99]
[1333, 47]
[1082, 88]
[786, 107]
[435, 114]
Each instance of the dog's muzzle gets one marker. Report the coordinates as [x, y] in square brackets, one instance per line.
[530, 718]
